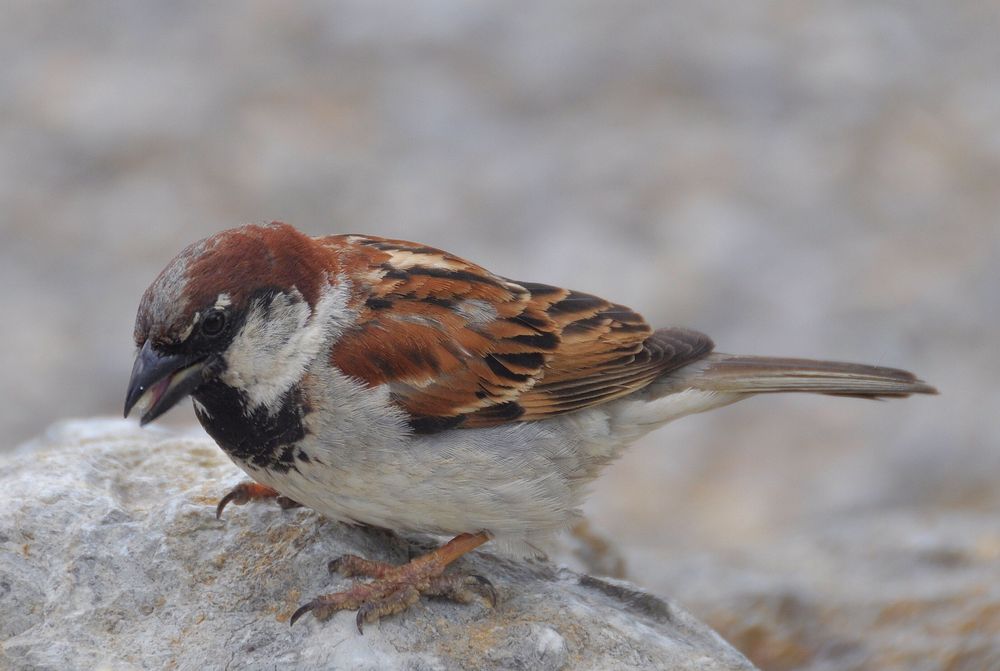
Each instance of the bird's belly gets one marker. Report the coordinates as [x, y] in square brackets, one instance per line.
[515, 480]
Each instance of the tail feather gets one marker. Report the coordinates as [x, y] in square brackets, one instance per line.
[766, 375]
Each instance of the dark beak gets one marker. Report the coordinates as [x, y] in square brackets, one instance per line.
[161, 380]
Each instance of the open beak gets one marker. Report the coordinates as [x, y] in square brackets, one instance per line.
[159, 380]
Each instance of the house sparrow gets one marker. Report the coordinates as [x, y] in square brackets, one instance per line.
[392, 384]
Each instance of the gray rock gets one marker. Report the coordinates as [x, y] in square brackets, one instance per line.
[903, 590]
[112, 558]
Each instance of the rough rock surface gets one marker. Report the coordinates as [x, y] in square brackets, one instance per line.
[112, 557]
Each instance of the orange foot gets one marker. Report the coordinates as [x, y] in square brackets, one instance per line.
[253, 491]
[396, 588]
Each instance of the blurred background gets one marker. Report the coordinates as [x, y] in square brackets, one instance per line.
[807, 179]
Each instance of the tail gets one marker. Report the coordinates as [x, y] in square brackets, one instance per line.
[729, 373]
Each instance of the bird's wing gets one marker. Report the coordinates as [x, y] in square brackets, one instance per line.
[461, 347]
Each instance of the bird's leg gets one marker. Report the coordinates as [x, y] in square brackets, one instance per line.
[253, 491]
[396, 588]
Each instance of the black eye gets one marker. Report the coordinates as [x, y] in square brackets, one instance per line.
[213, 323]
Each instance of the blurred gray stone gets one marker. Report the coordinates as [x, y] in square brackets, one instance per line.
[901, 590]
[112, 558]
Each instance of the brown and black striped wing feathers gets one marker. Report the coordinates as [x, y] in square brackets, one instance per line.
[461, 347]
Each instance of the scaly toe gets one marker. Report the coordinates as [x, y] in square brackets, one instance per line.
[326, 605]
[394, 602]
[353, 565]
[463, 588]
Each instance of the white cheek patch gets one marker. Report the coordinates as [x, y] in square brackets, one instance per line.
[277, 343]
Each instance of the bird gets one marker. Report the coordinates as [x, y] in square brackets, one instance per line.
[388, 383]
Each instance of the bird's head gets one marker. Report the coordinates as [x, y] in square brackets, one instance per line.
[242, 307]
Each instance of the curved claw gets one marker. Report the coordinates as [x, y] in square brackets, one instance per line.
[237, 496]
[487, 586]
[360, 620]
[367, 612]
[302, 610]
[245, 492]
